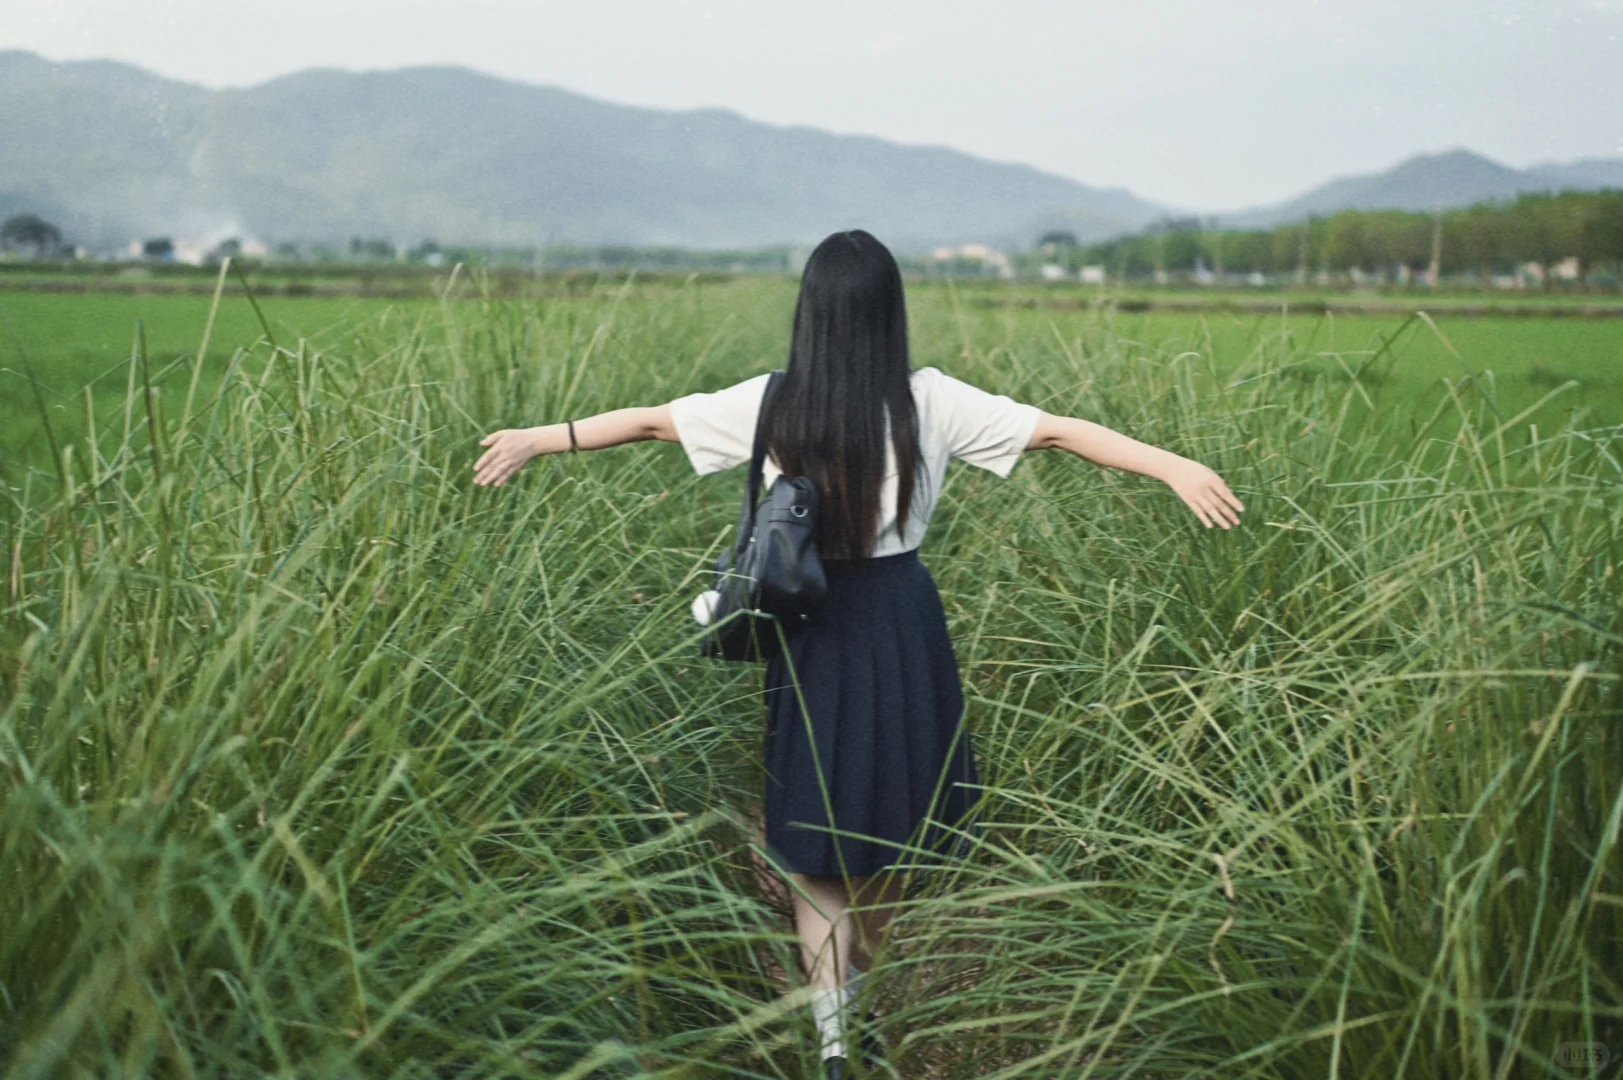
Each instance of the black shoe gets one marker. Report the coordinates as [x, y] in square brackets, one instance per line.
[834, 1068]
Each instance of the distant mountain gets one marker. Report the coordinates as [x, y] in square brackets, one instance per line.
[110, 153]
[1587, 174]
[1433, 182]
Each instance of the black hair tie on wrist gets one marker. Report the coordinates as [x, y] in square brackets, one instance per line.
[574, 447]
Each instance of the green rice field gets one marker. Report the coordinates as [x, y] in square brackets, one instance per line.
[317, 761]
[75, 341]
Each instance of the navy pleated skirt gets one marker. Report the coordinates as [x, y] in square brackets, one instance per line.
[865, 722]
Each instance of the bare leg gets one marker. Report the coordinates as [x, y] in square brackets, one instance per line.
[824, 926]
[873, 899]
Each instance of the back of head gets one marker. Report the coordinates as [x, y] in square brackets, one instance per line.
[848, 368]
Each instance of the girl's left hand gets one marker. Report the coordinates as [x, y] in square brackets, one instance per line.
[509, 450]
[1206, 493]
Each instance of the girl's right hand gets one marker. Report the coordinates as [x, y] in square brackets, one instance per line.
[509, 450]
[1205, 493]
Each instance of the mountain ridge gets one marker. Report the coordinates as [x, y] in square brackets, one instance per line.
[453, 154]
[1424, 183]
[449, 153]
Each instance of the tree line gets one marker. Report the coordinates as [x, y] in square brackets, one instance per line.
[1575, 235]
[32, 236]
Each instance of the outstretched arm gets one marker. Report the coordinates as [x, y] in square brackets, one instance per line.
[1198, 486]
[509, 449]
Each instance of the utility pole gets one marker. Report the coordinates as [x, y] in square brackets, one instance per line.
[1434, 271]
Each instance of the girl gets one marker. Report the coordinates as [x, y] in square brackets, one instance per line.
[867, 766]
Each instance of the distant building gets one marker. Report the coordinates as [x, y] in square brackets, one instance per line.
[1092, 275]
[192, 251]
[989, 258]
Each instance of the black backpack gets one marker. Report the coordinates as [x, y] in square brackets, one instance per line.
[771, 579]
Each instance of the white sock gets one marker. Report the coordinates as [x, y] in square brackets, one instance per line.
[828, 1009]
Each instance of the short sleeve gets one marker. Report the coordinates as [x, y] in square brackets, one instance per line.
[988, 430]
[718, 430]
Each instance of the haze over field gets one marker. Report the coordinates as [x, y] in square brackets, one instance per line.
[451, 154]
[1208, 107]
[114, 153]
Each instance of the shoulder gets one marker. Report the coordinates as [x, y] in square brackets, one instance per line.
[936, 379]
[978, 426]
[929, 382]
[740, 395]
[717, 427]
[752, 385]
[936, 387]
[751, 388]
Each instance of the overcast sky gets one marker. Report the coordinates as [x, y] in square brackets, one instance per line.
[1204, 104]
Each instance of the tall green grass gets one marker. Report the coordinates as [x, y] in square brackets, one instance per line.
[320, 762]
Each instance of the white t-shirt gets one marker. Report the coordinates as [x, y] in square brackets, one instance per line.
[956, 420]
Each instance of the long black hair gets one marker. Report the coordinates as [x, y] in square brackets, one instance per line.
[848, 368]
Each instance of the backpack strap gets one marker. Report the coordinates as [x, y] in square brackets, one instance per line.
[752, 489]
